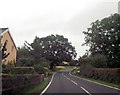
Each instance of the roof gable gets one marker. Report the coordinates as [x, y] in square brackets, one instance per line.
[4, 30]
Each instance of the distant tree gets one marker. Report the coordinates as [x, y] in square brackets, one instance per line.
[97, 61]
[54, 48]
[26, 58]
[103, 37]
[74, 63]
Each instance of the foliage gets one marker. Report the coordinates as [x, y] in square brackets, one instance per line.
[103, 37]
[23, 70]
[11, 69]
[42, 67]
[44, 62]
[54, 48]
[24, 58]
[73, 62]
[6, 68]
[105, 74]
[39, 68]
[26, 61]
[28, 58]
[98, 61]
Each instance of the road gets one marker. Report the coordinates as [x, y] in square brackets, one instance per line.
[64, 83]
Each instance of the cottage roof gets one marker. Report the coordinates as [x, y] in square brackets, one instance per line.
[3, 30]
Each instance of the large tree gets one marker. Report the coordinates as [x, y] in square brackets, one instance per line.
[55, 48]
[103, 37]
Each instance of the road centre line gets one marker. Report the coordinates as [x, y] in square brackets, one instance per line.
[74, 82]
[95, 82]
[85, 90]
[77, 85]
[65, 77]
[70, 80]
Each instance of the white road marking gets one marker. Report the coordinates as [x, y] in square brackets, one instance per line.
[77, 84]
[48, 84]
[71, 80]
[96, 82]
[86, 91]
[74, 82]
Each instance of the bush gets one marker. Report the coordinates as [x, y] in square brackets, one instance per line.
[6, 68]
[44, 62]
[25, 61]
[39, 68]
[42, 66]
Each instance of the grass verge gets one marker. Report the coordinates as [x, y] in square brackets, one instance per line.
[35, 90]
[74, 72]
[39, 88]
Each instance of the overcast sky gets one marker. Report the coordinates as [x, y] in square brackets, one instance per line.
[29, 18]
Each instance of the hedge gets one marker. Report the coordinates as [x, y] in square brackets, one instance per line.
[22, 70]
[14, 83]
[105, 74]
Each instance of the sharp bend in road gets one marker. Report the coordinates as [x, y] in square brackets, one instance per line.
[64, 83]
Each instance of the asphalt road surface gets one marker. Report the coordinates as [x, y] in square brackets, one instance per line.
[64, 83]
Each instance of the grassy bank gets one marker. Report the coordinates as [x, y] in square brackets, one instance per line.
[36, 90]
[74, 72]
[39, 88]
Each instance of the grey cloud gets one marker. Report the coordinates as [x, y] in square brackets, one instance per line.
[71, 28]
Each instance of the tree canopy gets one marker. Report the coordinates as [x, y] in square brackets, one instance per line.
[103, 37]
[54, 48]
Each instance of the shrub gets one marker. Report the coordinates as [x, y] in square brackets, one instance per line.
[6, 68]
[39, 68]
[25, 61]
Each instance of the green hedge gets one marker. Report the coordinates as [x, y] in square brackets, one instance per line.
[22, 70]
[105, 74]
[15, 83]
